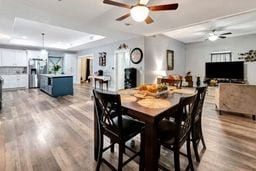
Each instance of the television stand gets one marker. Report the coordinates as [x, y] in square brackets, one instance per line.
[231, 81]
[237, 81]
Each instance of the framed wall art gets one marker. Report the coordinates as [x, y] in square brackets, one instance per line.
[170, 59]
[102, 58]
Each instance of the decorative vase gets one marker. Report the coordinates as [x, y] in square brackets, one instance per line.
[198, 81]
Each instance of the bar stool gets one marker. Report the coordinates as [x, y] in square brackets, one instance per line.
[173, 134]
[118, 127]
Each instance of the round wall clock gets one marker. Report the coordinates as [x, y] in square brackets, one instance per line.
[136, 55]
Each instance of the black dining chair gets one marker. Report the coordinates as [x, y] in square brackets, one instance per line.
[196, 130]
[173, 134]
[113, 123]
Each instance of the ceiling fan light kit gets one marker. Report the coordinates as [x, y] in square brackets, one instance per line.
[139, 13]
[212, 37]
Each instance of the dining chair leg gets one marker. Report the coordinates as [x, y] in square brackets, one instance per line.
[142, 152]
[120, 156]
[100, 147]
[158, 151]
[112, 149]
[189, 155]
[177, 159]
[195, 144]
[201, 136]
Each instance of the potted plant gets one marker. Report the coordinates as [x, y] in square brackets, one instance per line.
[56, 68]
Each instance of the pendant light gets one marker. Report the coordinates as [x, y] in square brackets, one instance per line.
[43, 51]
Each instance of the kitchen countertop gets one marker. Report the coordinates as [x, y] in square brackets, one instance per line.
[56, 76]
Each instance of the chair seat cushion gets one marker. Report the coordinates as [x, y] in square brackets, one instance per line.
[166, 130]
[131, 127]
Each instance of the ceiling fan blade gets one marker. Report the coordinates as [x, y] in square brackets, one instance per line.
[226, 33]
[164, 7]
[118, 4]
[143, 2]
[149, 20]
[123, 17]
[222, 37]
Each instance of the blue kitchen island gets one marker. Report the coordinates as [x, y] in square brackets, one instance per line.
[56, 85]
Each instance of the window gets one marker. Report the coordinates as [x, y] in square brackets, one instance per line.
[221, 56]
[54, 60]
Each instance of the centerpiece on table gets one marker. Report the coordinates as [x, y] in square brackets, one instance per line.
[155, 90]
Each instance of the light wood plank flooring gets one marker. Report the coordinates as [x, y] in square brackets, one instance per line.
[38, 132]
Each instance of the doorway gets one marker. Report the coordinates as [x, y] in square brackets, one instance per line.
[121, 61]
[85, 69]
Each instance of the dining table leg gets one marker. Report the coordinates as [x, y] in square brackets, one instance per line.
[151, 148]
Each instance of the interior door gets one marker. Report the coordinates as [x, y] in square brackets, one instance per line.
[121, 61]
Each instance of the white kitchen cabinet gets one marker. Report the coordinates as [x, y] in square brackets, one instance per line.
[6, 81]
[8, 58]
[15, 81]
[14, 57]
[1, 57]
[22, 81]
[32, 54]
[21, 58]
[12, 81]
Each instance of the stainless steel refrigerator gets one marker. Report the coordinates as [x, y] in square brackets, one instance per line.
[36, 68]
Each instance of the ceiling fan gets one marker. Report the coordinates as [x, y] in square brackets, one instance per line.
[140, 11]
[212, 36]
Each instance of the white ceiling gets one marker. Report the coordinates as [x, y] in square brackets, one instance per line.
[27, 32]
[94, 17]
[241, 24]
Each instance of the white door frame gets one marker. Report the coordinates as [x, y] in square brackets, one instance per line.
[88, 56]
[127, 64]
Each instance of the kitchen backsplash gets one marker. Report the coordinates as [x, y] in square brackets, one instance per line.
[13, 70]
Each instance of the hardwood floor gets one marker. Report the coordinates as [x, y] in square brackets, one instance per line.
[38, 132]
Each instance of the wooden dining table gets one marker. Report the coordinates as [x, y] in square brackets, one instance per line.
[150, 116]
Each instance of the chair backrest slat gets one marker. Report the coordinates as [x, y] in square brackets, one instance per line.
[108, 106]
[183, 117]
[197, 112]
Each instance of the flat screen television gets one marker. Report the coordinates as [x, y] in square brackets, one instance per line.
[225, 70]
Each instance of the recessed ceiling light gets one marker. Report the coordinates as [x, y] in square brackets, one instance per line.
[4, 36]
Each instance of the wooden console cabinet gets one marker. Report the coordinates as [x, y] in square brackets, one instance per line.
[171, 82]
[237, 98]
